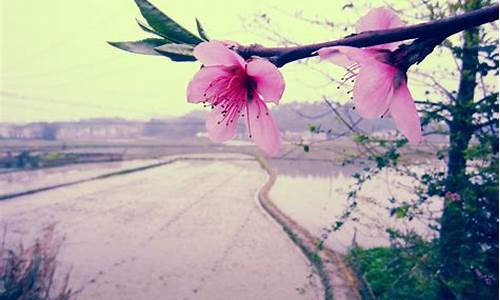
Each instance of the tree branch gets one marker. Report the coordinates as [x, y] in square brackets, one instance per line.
[444, 27]
[429, 103]
[437, 84]
[298, 112]
[486, 123]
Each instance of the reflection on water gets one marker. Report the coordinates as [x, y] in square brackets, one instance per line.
[161, 232]
[23, 180]
[315, 195]
[315, 167]
[312, 192]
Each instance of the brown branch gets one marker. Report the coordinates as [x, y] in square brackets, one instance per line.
[335, 111]
[490, 122]
[319, 116]
[437, 84]
[351, 127]
[444, 27]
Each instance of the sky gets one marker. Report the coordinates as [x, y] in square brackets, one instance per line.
[56, 65]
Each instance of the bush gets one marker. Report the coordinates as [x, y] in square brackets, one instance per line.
[393, 273]
[28, 273]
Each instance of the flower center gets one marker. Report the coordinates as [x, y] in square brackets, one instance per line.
[251, 87]
[230, 93]
[399, 79]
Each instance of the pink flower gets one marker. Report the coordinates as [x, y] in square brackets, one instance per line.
[380, 87]
[234, 87]
[453, 197]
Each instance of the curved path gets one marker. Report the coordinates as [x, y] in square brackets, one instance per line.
[187, 230]
[338, 279]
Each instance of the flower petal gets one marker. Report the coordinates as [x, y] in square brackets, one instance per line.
[380, 19]
[215, 53]
[198, 86]
[335, 56]
[346, 56]
[262, 128]
[270, 82]
[220, 129]
[373, 89]
[405, 115]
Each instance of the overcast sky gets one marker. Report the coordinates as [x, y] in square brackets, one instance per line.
[56, 64]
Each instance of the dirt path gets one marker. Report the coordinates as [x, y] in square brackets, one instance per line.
[187, 230]
[338, 279]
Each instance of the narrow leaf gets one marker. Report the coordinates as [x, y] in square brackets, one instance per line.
[182, 49]
[201, 30]
[149, 29]
[165, 25]
[177, 52]
[146, 46]
[178, 58]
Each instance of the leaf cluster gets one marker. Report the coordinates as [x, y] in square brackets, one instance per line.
[171, 39]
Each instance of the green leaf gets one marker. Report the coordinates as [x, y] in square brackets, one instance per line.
[146, 46]
[201, 30]
[182, 49]
[150, 30]
[165, 25]
[400, 212]
[177, 52]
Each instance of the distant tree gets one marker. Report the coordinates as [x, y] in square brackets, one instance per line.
[466, 252]
[49, 131]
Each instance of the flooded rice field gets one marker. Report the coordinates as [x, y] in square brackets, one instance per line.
[185, 230]
[192, 227]
[314, 193]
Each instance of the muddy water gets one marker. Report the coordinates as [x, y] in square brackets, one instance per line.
[18, 181]
[188, 230]
[314, 193]
[192, 230]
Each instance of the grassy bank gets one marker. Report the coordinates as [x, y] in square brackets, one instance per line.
[393, 273]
